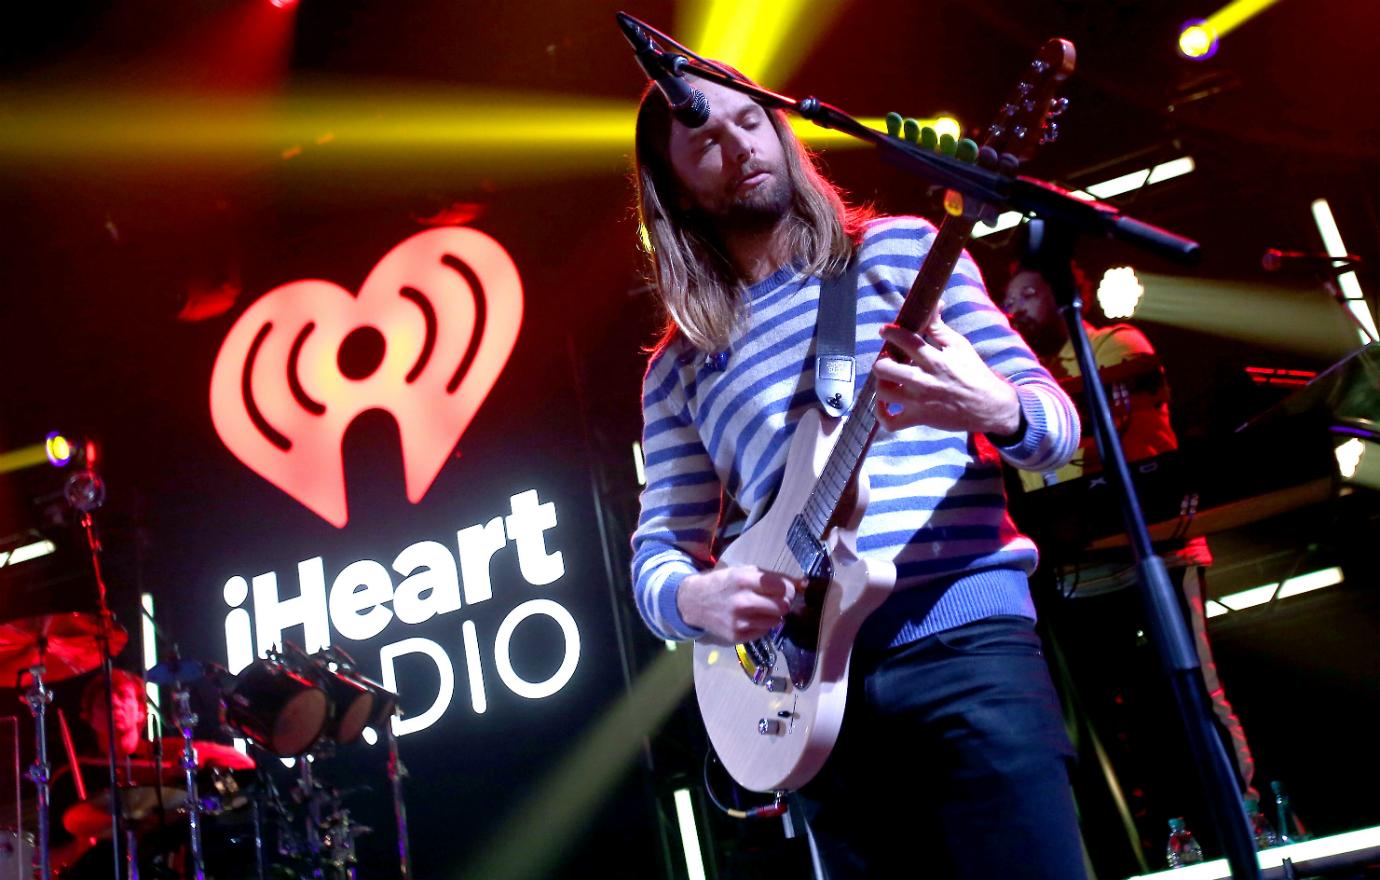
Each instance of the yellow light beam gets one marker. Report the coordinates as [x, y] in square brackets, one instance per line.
[541, 829]
[1234, 14]
[765, 39]
[1293, 319]
[499, 129]
[23, 457]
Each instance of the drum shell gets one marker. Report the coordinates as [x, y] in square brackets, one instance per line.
[352, 703]
[278, 709]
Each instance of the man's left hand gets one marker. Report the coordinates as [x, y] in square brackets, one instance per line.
[947, 385]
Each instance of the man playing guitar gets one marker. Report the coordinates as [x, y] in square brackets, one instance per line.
[952, 756]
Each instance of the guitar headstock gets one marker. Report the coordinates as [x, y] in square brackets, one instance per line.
[1027, 119]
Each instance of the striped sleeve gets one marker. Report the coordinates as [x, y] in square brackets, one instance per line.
[680, 503]
[1052, 427]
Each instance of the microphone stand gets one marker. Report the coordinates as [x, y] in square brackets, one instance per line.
[1053, 243]
[1065, 218]
[85, 491]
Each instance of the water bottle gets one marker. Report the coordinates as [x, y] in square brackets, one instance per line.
[1182, 849]
[1264, 835]
[1291, 830]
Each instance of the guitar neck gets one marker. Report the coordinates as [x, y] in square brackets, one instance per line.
[921, 302]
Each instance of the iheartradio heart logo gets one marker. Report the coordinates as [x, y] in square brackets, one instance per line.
[424, 340]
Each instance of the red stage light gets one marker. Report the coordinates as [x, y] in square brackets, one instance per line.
[283, 4]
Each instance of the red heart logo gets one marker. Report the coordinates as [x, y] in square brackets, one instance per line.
[425, 340]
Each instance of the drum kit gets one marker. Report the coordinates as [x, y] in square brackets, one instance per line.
[289, 704]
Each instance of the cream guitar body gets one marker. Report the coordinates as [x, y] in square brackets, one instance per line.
[774, 733]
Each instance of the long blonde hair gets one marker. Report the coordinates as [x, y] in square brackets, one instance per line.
[697, 285]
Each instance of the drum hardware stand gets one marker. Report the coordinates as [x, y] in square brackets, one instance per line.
[311, 794]
[397, 772]
[256, 815]
[38, 697]
[131, 854]
[13, 722]
[186, 722]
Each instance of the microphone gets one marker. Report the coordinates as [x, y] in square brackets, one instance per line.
[689, 106]
[1275, 260]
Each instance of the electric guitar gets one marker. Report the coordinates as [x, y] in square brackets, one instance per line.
[773, 707]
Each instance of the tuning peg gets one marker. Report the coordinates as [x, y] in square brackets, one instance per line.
[1020, 132]
[995, 130]
[1039, 66]
[1058, 106]
[1051, 133]
[1024, 89]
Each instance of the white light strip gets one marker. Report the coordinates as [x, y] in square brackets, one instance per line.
[689, 834]
[1171, 169]
[1364, 843]
[150, 638]
[1250, 598]
[1351, 288]
[639, 465]
[1314, 580]
[1104, 190]
[29, 551]
[1006, 220]
[1294, 586]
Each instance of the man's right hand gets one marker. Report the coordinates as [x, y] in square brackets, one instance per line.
[735, 604]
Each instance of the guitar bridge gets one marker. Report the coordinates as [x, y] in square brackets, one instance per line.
[758, 657]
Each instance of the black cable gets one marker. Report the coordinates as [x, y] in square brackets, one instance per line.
[765, 811]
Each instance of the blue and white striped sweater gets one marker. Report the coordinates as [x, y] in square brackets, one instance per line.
[937, 506]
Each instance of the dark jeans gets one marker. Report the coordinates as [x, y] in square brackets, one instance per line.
[952, 762]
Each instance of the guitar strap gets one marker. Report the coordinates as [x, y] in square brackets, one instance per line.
[836, 334]
[836, 339]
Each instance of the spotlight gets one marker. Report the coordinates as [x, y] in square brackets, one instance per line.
[283, 4]
[1197, 40]
[1119, 292]
[948, 125]
[58, 448]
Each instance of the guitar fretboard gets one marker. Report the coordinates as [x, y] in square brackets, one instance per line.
[857, 433]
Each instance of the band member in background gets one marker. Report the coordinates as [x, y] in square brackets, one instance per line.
[1105, 619]
[953, 755]
[88, 820]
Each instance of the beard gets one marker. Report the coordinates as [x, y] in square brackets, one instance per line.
[757, 210]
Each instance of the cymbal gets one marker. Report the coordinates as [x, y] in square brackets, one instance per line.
[171, 672]
[67, 645]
